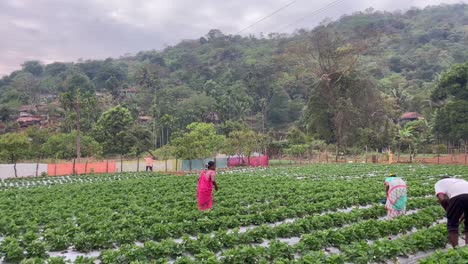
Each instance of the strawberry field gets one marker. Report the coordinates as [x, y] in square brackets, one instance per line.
[315, 214]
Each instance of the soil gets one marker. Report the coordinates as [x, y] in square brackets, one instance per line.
[458, 159]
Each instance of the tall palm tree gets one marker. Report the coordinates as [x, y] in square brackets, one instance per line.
[79, 92]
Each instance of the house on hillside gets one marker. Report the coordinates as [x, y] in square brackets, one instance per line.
[28, 109]
[24, 114]
[410, 116]
[28, 121]
[144, 119]
[47, 97]
[130, 92]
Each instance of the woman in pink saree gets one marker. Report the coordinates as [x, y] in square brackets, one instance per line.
[206, 181]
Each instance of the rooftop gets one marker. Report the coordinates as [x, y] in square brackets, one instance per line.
[411, 115]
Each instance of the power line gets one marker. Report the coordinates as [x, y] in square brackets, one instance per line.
[266, 17]
[316, 12]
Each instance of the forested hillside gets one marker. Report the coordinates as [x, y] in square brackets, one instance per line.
[345, 82]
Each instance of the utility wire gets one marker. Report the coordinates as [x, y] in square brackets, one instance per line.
[266, 17]
[316, 12]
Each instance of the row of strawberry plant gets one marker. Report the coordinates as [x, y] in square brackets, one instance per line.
[458, 255]
[208, 246]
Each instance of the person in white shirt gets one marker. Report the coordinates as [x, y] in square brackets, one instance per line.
[453, 197]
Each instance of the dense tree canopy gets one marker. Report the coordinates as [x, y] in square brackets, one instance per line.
[452, 93]
[344, 83]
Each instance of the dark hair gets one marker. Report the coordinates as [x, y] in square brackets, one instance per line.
[210, 164]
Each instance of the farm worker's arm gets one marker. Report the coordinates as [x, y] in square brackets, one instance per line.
[213, 180]
[443, 200]
[387, 186]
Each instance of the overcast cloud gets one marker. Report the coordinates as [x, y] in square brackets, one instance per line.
[66, 30]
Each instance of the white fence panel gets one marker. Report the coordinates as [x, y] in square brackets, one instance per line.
[23, 170]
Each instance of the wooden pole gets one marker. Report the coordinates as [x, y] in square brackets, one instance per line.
[336, 154]
[37, 167]
[366, 154]
[138, 163]
[74, 163]
[465, 153]
[86, 167]
[438, 155]
[107, 166]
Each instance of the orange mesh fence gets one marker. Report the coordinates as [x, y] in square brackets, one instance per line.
[81, 168]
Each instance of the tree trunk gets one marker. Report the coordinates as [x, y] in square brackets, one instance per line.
[366, 154]
[162, 137]
[399, 151]
[138, 163]
[121, 163]
[336, 155]
[190, 165]
[167, 135]
[37, 166]
[465, 152]
[165, 165]
[86, 167]
[410, 154]
[14, 167]
[78, 133]
[155, 135]
[73, 170]
[263, 121]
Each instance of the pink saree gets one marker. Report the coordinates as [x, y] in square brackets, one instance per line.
[205, 190]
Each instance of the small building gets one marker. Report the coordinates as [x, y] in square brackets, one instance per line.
[28, 108]
[410, 116]
[144, 119]
[24, 114]
[132, 91]
[47, 97]
[28, 121]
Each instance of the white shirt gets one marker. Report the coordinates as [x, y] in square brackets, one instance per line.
[451, 187]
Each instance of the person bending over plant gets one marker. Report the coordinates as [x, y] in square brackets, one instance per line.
[396, 196]
[453, 197]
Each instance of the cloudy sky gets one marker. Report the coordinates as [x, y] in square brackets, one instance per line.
[66, 30]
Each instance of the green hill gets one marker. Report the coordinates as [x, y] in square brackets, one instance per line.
[266, 82]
